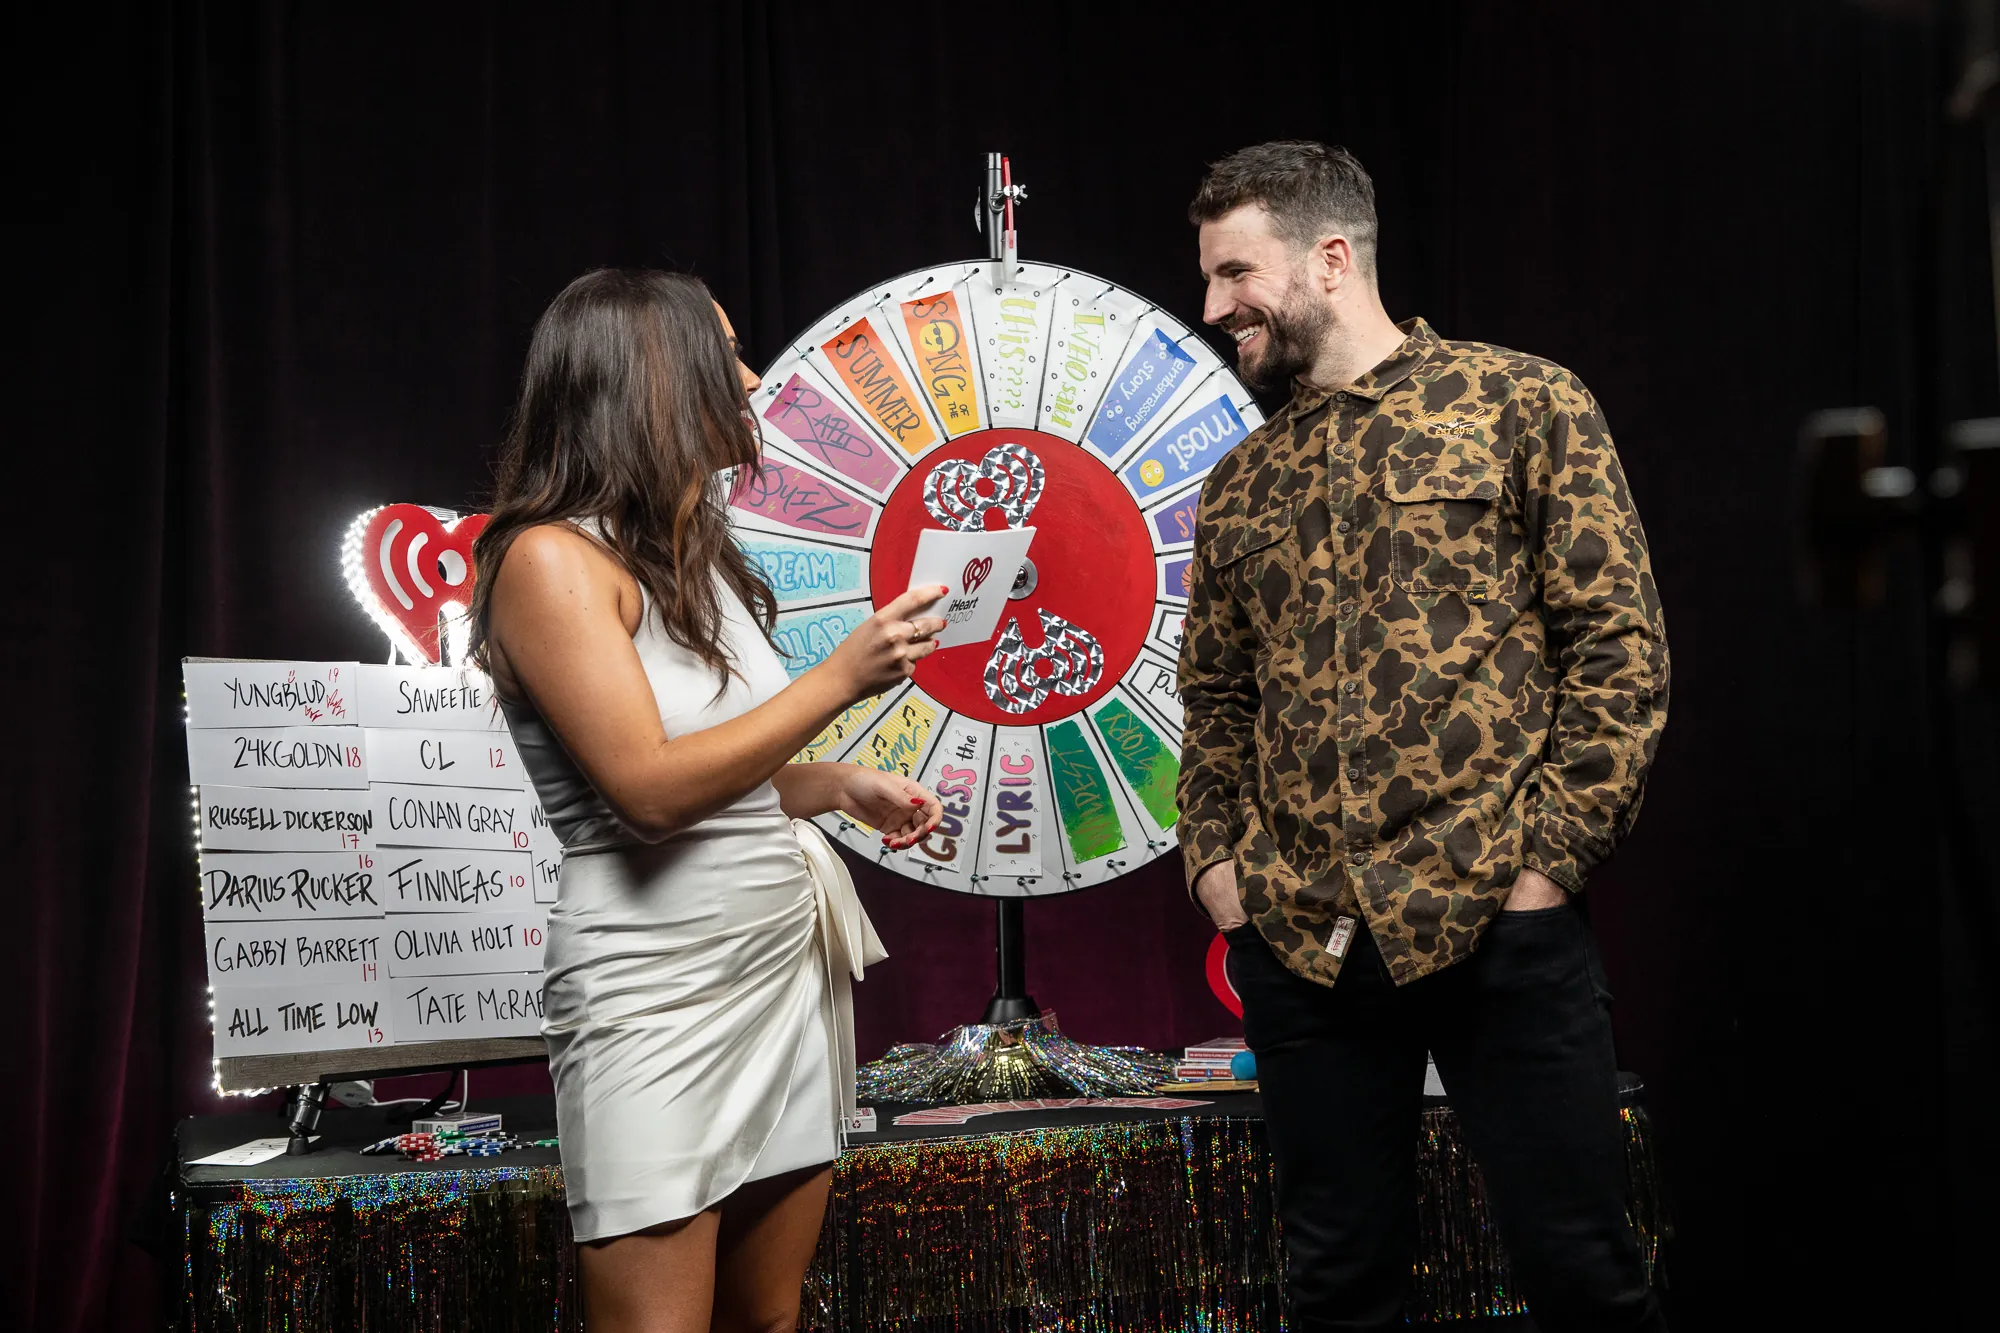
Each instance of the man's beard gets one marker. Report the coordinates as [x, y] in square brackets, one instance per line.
[1292, 338]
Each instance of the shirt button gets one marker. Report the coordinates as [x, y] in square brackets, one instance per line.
[1347, 608]
[1358, 859]
[1353, 687]
[1354, 775]
[1340, 397]
[1345, 526]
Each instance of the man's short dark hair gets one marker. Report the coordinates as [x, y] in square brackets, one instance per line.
[1309, 189]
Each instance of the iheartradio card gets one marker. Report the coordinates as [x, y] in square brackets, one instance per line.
[979, 569]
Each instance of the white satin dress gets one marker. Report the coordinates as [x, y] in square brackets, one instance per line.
[688, 1011]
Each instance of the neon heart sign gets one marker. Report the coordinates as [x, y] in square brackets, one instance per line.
[411, 569]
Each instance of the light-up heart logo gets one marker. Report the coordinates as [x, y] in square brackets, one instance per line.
[1011, 472]
[1014, 681]
[975, 573]
[412, 572]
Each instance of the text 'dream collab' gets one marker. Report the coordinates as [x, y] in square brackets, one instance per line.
[289, 886]
[284, 1019]
[431, 698]
[475, 818]
[465, 945]
[277, 757]
[270, 953]
[269, 694]
[444, 758]
[268, 819]
[447, 1008]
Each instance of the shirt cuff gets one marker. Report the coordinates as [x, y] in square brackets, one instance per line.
[1560, 850]
[1203, 844]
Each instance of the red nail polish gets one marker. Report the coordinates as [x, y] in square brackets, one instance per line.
[915, 801]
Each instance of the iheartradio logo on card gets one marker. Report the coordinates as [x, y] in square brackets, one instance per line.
[976, 572]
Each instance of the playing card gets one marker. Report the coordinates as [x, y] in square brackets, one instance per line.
[979, 569]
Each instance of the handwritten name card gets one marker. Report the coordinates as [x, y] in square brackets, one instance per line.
[276, 1020]
[269, 953]
[277, 757]
[466, 817]
[447, 1008]
[270, 819]
[454, 698]
[444, 758]
[465, 944]
[288, 886]
[269, 694]
[414, 879]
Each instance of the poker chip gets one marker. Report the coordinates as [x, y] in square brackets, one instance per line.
[419, 1147]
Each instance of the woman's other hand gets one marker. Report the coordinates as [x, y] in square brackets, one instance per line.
[901, 810]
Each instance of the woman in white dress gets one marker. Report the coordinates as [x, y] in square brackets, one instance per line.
[692, 1031]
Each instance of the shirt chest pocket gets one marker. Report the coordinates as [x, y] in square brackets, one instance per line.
[1444, 530]
[1257, 561]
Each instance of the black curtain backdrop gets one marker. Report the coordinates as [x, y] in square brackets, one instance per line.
[271, 266]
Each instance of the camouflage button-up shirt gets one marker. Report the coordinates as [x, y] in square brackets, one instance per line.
[1423, 650]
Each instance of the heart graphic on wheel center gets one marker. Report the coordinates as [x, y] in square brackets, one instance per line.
[408, 568]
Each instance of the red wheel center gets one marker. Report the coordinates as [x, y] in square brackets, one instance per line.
[1093, 565]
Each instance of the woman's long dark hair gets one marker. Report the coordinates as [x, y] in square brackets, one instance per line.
[630, 404]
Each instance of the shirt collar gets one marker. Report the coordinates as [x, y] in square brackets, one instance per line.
[1419, 341]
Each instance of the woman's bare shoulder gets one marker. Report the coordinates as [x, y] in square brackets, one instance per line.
[556, 561]
[558, 551]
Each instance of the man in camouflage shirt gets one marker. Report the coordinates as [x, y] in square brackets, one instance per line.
[1425, 671]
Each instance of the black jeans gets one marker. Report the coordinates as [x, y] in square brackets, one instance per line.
[1521, 1033]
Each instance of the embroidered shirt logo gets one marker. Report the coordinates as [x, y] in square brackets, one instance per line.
[1459, 427]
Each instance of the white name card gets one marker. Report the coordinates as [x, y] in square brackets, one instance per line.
[269, 819]
[548, 876]
[481, 819]
[277, 757]
[274, 1020]
[442, 1008]
[541, 834]
[435, 698]
[449, 880]
[444, 758]
[296, 953]
[289, 886]
[270, 694]
[466, 944]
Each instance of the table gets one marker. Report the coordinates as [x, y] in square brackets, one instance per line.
[1106, 1218]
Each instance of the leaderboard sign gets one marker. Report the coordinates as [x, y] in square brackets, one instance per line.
[375, 869]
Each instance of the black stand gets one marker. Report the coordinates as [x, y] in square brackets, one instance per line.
[1011, 1002]
[309, 1099]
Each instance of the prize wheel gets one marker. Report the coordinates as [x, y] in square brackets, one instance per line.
[1057, 401]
